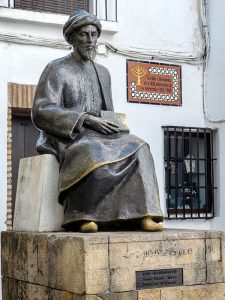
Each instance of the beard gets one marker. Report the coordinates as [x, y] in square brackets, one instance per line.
[87, 52]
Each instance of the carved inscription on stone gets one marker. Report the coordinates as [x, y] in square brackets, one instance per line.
[142, 256]
[213, 250]
[155, 254]
[168, 251]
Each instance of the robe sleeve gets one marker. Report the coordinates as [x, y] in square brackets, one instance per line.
[48, 112]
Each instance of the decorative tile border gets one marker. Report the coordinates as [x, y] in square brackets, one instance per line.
[153, 83]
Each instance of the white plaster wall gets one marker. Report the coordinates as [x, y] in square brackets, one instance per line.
[215, 88]
[33, 29]
[152, 24]
[24, 64]
[159, 24]
[214, 101]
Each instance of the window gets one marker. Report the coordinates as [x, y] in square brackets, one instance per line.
[189, 172]
[103, 9]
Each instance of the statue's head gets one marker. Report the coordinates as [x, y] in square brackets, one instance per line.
[81, 31]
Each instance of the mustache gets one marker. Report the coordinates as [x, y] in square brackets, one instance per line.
[88, 47]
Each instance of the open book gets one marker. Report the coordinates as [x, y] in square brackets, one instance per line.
[116, 118]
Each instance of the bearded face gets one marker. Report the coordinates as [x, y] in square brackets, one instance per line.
[87, 52]
[84, 42]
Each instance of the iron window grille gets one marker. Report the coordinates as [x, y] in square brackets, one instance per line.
[189, 172]
[103, 9]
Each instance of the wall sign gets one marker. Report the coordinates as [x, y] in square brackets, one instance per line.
[159, 278]
[153, 83]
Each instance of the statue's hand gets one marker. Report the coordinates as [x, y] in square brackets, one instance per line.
[101, 125]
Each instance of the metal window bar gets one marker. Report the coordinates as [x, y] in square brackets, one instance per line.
[212, 168]
[206, 174]
[198, 189]
[176, 169]
[198, 194]
[191, 168]
[106, 9]
[168, 170]
[116, 11]
[182, 159]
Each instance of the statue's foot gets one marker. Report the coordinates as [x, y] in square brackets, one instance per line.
[89, 227]
[149, 225]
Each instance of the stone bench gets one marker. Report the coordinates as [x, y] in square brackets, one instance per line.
[36, 207]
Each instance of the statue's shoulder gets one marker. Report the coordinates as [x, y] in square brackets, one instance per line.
[61, 62]
[101, 68]
[56, 70]
[59, 66]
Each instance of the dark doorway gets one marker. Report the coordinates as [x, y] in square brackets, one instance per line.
[24, 138]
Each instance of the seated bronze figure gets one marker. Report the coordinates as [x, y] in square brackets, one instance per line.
[107, 176]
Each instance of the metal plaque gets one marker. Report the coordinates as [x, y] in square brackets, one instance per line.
[158, 278]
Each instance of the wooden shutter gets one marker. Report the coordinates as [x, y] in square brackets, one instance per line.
[53, 6]
[24, 138]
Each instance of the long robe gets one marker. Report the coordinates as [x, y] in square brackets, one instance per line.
[102, 178]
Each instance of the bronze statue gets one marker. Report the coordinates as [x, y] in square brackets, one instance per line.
[107, 175]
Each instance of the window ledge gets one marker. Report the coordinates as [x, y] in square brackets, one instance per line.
[47, 18]
[110, 26]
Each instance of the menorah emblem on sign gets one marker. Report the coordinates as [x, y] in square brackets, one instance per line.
[138, 72]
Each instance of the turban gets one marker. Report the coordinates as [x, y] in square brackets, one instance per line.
[79, 19]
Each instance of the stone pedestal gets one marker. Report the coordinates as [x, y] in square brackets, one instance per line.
[98, 266]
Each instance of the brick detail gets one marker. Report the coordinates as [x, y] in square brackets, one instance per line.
[9, 171]
[21, 95]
